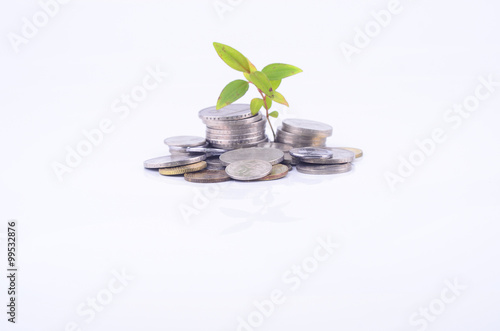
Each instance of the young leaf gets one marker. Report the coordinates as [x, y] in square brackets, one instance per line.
[232, 57]
[279, 98]
[232, 92]
[252, 67]
[275, 83]
[255, 105]
[269, 102]
[277, 71]
[262, 82]
[274, 114]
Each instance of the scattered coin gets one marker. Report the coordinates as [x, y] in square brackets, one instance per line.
[184, 141]
[278, 171]
[214, 163]
[339, 155]
[357, 152]
[183, 169]
[306, 127]
[323, 169]
[311, 153]
[207, 176]
[271, 155]
[249, 169]
[173, 160]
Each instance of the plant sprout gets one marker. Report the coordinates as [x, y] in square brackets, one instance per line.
[266, 82]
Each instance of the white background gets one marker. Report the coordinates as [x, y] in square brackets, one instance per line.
[201, 271]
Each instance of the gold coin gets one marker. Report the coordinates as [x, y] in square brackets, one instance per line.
[207, 176]
[183, 169]
[278, 171]
[356, 151]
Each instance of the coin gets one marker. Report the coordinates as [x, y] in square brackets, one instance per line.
[339, 155]
[230, 112]
[236, 141]
[235, 136]
[257, 126]
[288, 164]
[323, 169]
[207, 176]
[278, 171]
[184, 141]
[283, 147]
[238, 145]
[296, 137]
[214, 163]
[311, 153]
[357, 152]
[237, 124]
[271, 155]
[306, 127]
[173, 160]
[183, 169]
[249, 169]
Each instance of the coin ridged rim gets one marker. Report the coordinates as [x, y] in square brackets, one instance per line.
[296, 137]
[183, 169]
[299, 126]
[323, 169]
[169, 161]
[283, 172]
[193, 176]
[252, 153]
[237, 124]
[236, 141]
[234, 111]
[212, 136]
[246, 128]
[232, 172]
[311, 153]
[184, 141]
[239, 145]
[339, 156]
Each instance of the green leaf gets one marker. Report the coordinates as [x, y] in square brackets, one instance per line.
[232, 92]
[277, 71]
[275, 84]
[274, 114]
[279, 98]
[255, 105]
[252, 67]
[262, 82]
[232, 57]
[269, 102]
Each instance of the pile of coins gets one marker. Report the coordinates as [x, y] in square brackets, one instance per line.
[303, 133]
[234, 126]
[236, 147]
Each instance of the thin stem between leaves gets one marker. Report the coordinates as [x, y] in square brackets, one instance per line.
[267, 113]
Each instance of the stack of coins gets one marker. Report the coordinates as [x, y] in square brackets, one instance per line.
[179, 144]
[303, 133]
[323, 161]
[233, 126]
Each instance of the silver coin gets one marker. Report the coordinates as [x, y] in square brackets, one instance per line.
[283, 147]
[339, 155]
[300, 144]
[323, 169]
[311, 153]
[306, 127]
[184, 141]
[214, 163]
[237, 141]
[237, 146]
[296, 137]
[258, 126]
[234, 111]
[258, 135]
[173, 160]
[199, 149]
[249, 169]
[237, 125]
[271, 155]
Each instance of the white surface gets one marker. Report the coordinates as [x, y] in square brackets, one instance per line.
[203, 272]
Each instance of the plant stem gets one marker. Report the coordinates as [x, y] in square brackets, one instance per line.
[267, 113]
